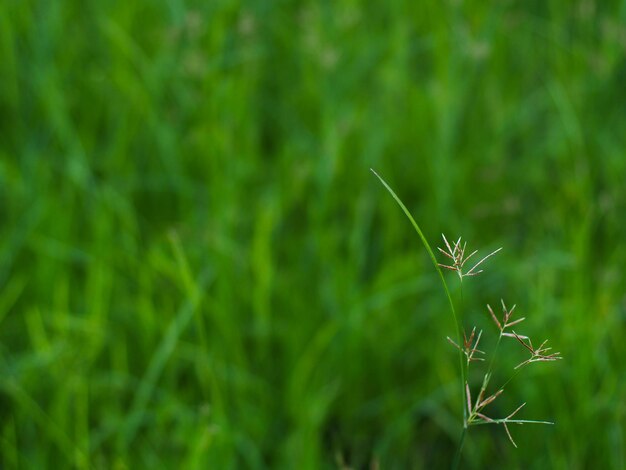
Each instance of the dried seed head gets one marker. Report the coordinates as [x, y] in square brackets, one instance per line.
[506, 318]
[456, 253]
[490, 399]
[536, 355]
[470, 347]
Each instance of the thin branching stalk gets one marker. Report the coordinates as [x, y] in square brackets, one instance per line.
[441, 276]
[467, 345]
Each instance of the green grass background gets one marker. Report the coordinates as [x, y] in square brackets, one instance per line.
[198, 270]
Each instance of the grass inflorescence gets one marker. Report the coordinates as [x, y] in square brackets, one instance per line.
[474, 411]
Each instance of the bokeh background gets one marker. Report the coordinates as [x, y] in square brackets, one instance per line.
[198, 270]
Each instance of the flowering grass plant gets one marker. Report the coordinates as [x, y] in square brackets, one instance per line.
[475, 411]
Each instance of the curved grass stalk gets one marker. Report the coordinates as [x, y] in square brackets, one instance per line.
[445, 287]
[473, 414]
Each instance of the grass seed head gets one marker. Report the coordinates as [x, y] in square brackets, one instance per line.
[456, 253]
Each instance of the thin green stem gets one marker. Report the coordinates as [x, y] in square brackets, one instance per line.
[495, 353]
[511, 421]
[511, 378]
[435, 264]
[465, 376]
[441, 276]
[457, 457]
[465, 364]
[428, 249]
[491, 363]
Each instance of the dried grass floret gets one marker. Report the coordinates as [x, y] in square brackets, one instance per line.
[456, 253]
[506, 318]
[469, 346]
[536, 354]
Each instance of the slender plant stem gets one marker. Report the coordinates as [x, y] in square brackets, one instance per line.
[511, 421]
[495, 352]
[491, 362]
[511, 378]
[441, 277]
[457, 457]
[465, 364]
[464, 377]
[457, 323]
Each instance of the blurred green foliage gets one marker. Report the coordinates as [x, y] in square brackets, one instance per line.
[198, 270]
